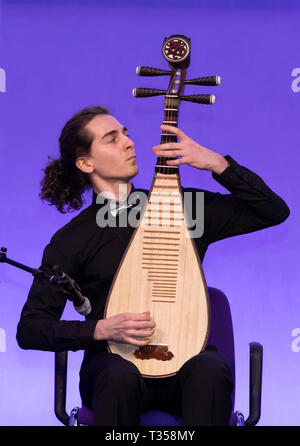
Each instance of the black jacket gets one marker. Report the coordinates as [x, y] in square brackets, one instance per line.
[91, 255]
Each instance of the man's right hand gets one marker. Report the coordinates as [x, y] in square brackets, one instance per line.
[129, 328]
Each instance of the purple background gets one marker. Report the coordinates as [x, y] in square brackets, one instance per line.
[62, 56]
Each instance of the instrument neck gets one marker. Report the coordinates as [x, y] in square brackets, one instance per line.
[170, 118]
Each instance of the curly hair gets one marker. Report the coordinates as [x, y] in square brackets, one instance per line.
[64, 184]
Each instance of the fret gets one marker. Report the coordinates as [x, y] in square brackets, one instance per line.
[159, 249]
[150, 266]
[166, 165]
[163, 301]
[169, 257]
[161, 238]
[170, 281]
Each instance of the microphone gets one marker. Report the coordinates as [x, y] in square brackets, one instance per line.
[81, 303]
[85, 308]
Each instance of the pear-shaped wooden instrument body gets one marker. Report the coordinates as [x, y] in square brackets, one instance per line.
[161, 272]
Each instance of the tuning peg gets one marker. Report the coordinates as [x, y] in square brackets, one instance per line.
[148, 71]
[209, 80]
[200, 98]
[146, 92]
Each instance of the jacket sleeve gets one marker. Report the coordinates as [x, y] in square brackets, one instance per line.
[40, 327]
[250, 206]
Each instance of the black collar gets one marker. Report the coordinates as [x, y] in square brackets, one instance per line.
[109, 199]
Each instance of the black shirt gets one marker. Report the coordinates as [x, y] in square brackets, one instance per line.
[91, 255]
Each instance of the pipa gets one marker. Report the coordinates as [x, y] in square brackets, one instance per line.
[161, 271]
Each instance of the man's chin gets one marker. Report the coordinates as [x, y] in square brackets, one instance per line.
[134, 173]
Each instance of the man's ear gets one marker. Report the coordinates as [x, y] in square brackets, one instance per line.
[84, 164]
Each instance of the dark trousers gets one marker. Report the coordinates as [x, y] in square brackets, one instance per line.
[200, 392]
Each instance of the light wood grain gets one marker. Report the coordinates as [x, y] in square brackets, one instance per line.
[161, 272]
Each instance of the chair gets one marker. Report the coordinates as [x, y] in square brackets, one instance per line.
[221, 336]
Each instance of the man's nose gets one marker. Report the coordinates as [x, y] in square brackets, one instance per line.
[128, 143]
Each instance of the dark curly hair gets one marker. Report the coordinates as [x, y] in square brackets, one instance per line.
[64, 184]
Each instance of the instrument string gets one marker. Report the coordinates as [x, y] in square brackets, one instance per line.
[170, 116]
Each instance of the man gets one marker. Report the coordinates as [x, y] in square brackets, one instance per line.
[97, 153]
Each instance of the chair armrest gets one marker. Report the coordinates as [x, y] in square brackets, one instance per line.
[256, 360]
[60, 387]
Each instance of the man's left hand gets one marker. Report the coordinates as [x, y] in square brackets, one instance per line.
[190, 152]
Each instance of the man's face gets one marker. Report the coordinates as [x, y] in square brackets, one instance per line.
[110, 150]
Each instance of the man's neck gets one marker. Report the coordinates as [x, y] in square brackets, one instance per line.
[116, 191]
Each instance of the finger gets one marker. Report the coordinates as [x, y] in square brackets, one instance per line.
[138, 316]
[133, 341]
[174, 162]
[167, 145]
[175, 130]
[170, 154]
[140, 333]
[137, 325]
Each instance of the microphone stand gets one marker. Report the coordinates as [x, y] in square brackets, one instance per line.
[66, 283]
